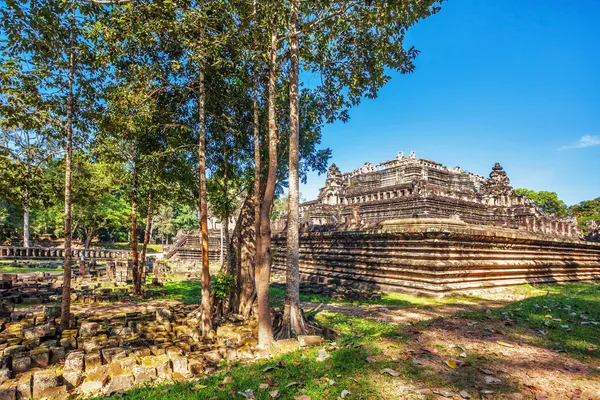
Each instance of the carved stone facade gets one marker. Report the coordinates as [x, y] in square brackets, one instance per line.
[412, 187]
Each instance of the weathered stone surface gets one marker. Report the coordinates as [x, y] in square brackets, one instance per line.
[119, 383]
[54, 393]
[92, 361]
[5, 375]
[113, 353]
[94, 382]
[40, 357]
[42, 381]
[8, 391]
[21, 363]
[24, 386]
[180, 365]
[72, 379]
[213, 356]
[74, 361]
[143, 374]
[88, 329]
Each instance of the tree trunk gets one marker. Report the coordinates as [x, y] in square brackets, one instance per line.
[293, 323]
[263, 268]
[65, 313]
[207, 325]
[89, 236]
[146, 233]
[25, 217]
[243, 257]
[137, 278]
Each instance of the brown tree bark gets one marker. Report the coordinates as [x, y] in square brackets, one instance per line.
[293, 323]
[263, 268]
[137, 276]
[65, 312]
[146, 234]
[207, 325]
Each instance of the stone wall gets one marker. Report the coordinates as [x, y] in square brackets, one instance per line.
[438, 256]
[187, 249]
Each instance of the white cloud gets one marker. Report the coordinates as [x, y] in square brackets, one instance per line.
[584, 141]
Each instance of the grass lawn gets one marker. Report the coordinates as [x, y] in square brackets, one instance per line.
[542, 344]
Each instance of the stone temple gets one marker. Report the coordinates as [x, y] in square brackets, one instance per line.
[412, 224]
[411, 187]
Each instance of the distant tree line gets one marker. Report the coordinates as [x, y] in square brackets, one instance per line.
[550, 203]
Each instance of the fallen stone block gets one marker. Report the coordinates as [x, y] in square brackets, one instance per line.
[213, 356]
[72, 379]
[180, 365]
[5, 375]
[43, 380]
[119, 384]
[40, 357]
[8, 391]
[21, 362]
[113, 353]
[92, 361]
[55, 393]
[74, 361]
[94, 382]
[143, 374]
[88, 329]
[57, 355]
[24, 386]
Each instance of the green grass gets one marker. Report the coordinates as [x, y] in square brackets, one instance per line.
[21, 270]
[556, 315]
[395, 300]
[187, 292]
[360, 338]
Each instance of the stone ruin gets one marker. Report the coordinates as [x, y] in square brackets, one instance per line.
[412, 224]
[411, 187]
[593, 230]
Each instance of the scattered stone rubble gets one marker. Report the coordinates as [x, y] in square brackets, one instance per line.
[111, 349]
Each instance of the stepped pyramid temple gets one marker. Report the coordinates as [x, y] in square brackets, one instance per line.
[412, 224]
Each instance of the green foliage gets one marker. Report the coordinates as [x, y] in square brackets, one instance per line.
[588, 210]
[547, 201]
[221, 284]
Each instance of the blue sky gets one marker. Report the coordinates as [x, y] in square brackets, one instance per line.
[516, 82]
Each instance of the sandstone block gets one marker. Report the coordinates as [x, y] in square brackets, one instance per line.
[94, 382]
[92, 361]
[143, 374]
[8, 391]
[213, 356]
[118, 384]
[52, 311]
[74, 361]
[5, 375]
[57, 355]
[54, 393]
[113, 353]
[24, 386]
[88, 329]
[21, 363]
[126, 363]
[72, 379]
[43, 380]
[180, 365]
[40, 357]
